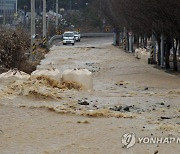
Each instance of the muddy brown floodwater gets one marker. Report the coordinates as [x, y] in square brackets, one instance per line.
[128, 96]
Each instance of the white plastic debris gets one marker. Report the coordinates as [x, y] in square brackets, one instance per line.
[136, 53]
[52, 73]
[145, 56]
[142, 54]
[81, 76]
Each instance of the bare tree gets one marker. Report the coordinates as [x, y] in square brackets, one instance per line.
[161, 17]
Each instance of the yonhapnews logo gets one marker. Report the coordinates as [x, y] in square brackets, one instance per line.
[130, 139]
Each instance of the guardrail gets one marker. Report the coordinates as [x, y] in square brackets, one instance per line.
[96, 34]
[55, 37]
[83, 35]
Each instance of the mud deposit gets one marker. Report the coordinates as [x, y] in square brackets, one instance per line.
[41, 115]
[47, 89]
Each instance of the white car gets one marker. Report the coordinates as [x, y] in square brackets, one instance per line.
[68, 38]
[77, 36]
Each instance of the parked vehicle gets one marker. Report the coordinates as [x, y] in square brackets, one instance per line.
[77, 36]
[68, 38]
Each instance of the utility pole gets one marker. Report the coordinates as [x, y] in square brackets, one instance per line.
[179, 49]
[70, 5]
[125, 39]
[25, 13]
[33, 45]
[57, 8]
[162, 50]
[16, 7]
[130, 42]
[4, 13]
[47, 22]
[44, 23]
[114, 39]
[154, 47]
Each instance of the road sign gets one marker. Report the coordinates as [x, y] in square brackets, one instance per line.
[152, 53]
[78, 30]
[33, 48]
[124, 41]
[107, 29]
[130, 33]
[15, 14]
[58, 32]
[44, 40]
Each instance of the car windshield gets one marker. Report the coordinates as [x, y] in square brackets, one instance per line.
[68, 35]
[75, 33]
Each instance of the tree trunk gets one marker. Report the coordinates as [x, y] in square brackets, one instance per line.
[130, 43]
[167, 52]
[145, 42]
[153, 45]
[117, 39]
[127, 42]
[159, 50]
[137, 40]
[175, 67]
[179, 47]
[140, 42]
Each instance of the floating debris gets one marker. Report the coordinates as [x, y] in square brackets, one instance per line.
[175, 92]
[87, 113]
[83, 122]
[168, 127]
[165, 118]
[121, 83]
[146, 88]
[93, 67]
[83, 102]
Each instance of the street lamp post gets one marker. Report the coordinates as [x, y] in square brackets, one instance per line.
[57, 11]
[33, 45]
[162, 50]
[70, 5]
[4, 12]
[16, 7]
[44, 22]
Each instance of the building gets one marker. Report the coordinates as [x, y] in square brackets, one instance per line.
[7, 8]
